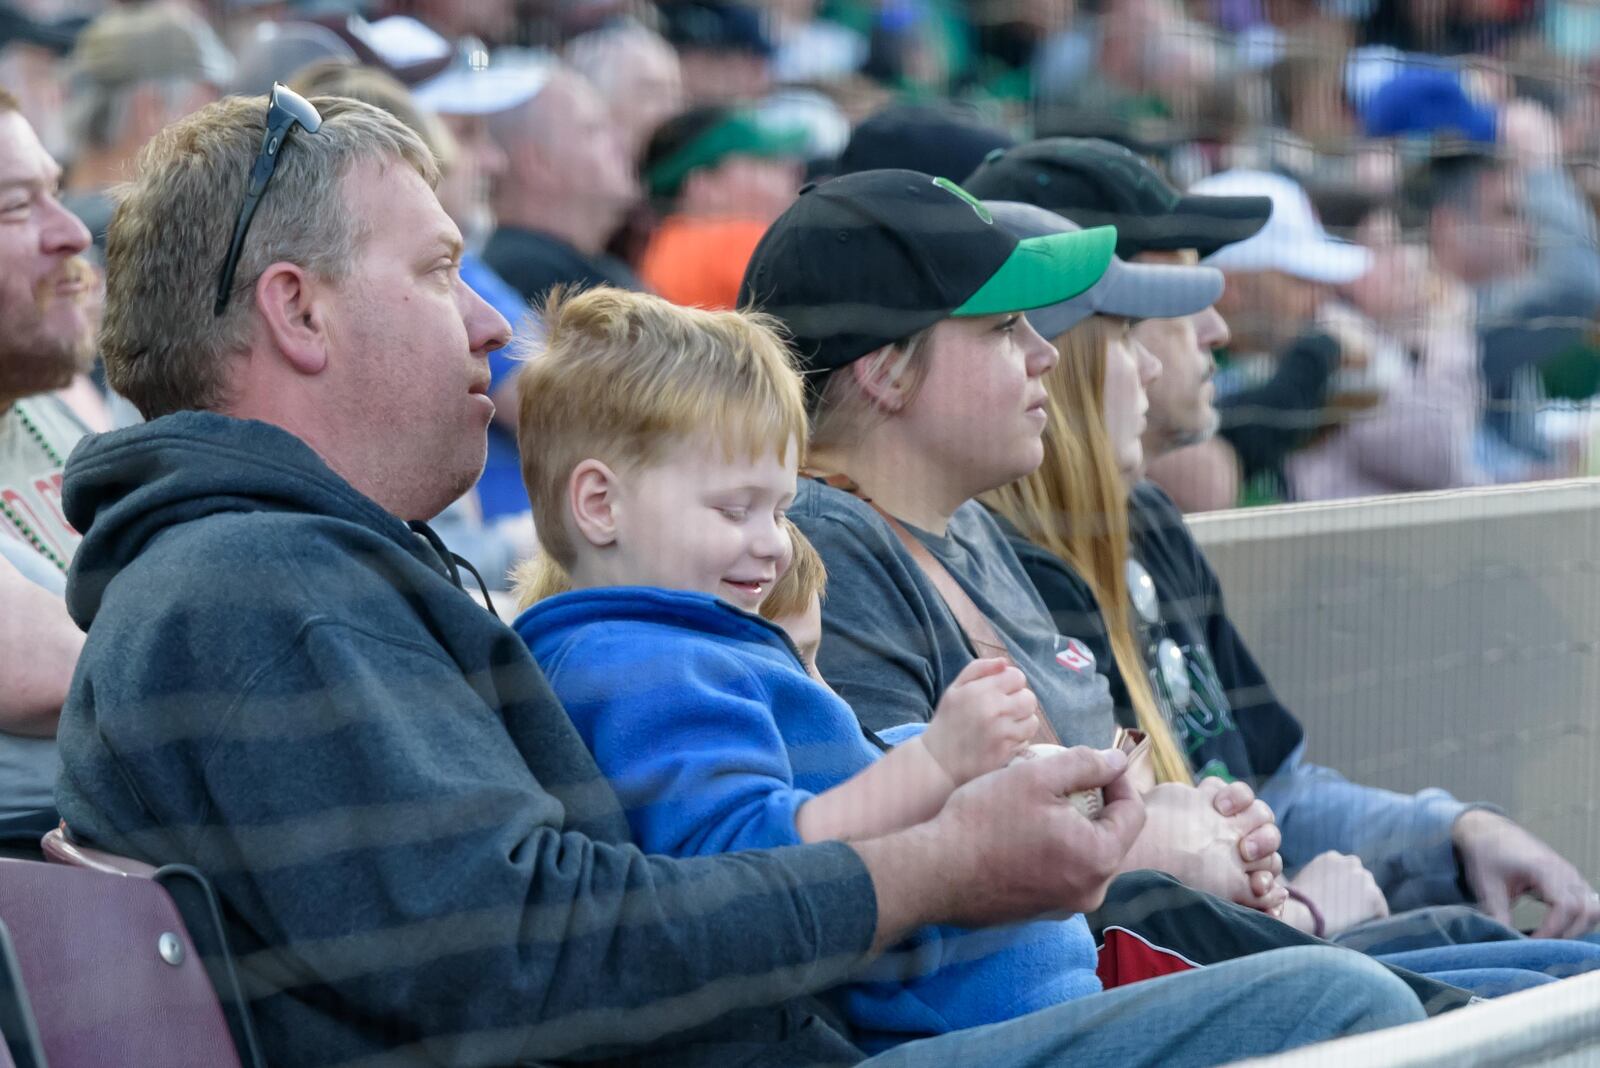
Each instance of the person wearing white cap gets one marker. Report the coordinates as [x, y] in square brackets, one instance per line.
[1282, 366]
[467, 97]
[1292, 242]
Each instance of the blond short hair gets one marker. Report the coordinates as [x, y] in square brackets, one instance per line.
[8, 102]
[163, 348]
[621, 376]
[806, 577]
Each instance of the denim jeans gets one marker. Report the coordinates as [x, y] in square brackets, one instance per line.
[1249, 1007]
[1549, 957]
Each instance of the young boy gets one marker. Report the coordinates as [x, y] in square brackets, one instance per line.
[667, 444]
[795, 603]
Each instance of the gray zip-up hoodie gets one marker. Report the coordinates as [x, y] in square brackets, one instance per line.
[418, 861]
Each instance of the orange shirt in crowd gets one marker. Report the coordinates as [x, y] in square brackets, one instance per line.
[699, 262]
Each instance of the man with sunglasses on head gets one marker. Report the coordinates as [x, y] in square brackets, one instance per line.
[47, 327]
[285, 686]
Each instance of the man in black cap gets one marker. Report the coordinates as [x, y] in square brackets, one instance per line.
[1421, 849]
[1094, 182]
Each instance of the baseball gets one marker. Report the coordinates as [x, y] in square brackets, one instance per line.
[1089, 802]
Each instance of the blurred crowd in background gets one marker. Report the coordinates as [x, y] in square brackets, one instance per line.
[1418, 314]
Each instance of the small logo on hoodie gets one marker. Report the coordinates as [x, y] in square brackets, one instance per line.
[1074, 655]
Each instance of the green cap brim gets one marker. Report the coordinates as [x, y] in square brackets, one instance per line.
[1044, 270]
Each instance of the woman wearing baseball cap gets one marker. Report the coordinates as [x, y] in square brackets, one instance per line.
[928, 391]
[903, 299]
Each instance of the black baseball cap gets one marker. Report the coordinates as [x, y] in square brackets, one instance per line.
[17, 27]
[1096, 183]
[715, 26]
[920, 137]
[868, 259]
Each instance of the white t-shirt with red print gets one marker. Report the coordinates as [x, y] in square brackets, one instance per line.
[36, 435]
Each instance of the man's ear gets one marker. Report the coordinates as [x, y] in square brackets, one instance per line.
[881, 376]
[289, 301]
[592, 502]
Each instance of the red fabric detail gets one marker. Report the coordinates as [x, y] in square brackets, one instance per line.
[1126, 958]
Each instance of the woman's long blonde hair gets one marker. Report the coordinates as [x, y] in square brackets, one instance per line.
[1076, 506]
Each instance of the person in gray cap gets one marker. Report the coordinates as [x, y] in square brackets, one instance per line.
[1112, 561]
[277, 51]
[134, 70]
[1407, 850]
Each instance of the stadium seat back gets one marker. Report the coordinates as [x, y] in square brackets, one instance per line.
[110, 972]
[20, 1046]
[196, 900]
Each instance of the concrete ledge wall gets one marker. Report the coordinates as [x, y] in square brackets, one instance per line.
[1557, 1026]
[1441, 639]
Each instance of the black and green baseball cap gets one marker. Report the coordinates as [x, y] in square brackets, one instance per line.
[868, 259]
[705, 136]
[1097, 183]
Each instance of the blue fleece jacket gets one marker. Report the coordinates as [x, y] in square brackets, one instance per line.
[417, 859]
[713, 736]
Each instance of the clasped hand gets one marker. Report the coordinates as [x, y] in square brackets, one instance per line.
[1217, 837]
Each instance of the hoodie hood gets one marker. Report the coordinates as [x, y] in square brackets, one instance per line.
[547, 624]
[125, 488]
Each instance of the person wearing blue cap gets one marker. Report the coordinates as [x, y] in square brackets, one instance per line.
[1519, 235]
[1429, 102]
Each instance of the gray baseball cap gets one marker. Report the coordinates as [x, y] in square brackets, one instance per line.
[1128, 290]
[151, 42]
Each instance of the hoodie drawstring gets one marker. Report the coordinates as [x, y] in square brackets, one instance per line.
[453, 562]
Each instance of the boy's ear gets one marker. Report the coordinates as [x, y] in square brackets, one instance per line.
[880, 374]
[592, 501]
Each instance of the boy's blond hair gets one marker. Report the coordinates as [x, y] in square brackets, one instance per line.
[621, 376]
[805, 578]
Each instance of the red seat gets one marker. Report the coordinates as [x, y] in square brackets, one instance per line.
[110, 971]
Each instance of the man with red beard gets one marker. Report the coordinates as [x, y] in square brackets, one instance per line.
[46, 337]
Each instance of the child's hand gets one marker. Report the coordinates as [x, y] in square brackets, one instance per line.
[986, 717]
